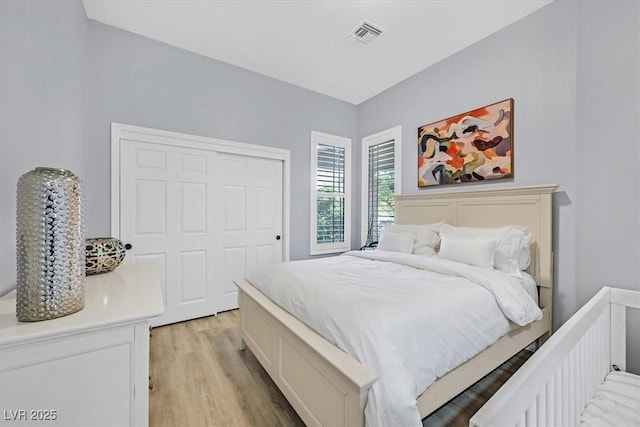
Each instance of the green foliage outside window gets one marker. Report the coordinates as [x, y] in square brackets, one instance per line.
[330, 219]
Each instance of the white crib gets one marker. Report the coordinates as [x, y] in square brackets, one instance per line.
[554, 386]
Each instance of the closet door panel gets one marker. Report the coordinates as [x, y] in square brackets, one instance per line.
[167, 213]
[251, 216]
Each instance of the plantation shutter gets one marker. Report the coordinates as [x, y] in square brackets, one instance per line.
[380, 190]
[330, 190]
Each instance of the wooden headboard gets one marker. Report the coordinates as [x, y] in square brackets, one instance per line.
[525, 206]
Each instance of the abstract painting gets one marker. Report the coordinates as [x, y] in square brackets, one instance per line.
[470, 147]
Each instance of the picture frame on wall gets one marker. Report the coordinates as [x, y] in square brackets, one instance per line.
[475, 146]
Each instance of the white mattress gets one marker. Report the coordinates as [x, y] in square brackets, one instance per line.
[410, 319]
[615, 403]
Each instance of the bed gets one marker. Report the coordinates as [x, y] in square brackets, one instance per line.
[565, 382]
[326, 386]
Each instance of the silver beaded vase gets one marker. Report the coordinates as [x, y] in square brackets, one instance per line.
[49, 245]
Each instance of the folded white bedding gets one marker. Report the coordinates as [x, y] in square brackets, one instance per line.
[615, 403]
[410, 319]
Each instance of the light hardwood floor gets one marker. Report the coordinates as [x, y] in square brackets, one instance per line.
[199, 377]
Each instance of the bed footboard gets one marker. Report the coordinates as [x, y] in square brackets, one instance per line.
[555, 384]
[323, 384]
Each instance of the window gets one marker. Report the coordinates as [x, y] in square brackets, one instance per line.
[330, 194]
[381, 180]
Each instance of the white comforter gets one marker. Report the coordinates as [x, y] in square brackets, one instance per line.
[410, 319]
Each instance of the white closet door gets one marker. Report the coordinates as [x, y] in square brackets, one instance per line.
[250, 212]
[168, 214]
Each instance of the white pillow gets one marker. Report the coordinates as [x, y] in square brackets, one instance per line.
[525, 254]
[477, 251]
[424, 250]
[513, 244]
[427, 238]
[396, 242]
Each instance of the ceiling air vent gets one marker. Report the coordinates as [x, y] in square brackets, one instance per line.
[366, 32]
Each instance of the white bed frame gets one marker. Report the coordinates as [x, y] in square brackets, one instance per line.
[554, 386]
[327, 386]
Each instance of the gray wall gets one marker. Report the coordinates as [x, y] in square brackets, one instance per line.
[607, 198]
[608, 80]
[138, 81]
[572, 69]
[43, 82]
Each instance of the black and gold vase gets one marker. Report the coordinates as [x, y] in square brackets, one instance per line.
[103, 254]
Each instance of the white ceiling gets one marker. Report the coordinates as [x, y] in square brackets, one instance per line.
[307, 43]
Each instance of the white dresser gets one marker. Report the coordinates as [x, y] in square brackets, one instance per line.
[87, 368]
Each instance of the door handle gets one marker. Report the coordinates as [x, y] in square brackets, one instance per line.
[128, 246]
[278, 237]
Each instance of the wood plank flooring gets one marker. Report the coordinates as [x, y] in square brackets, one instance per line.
[199, 377]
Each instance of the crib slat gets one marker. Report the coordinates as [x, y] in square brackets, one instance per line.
[531, 419]
[569, 391]
[580, 377]
[558, 397]
[550, 387]
[541, 406]
[605, 331]
[596, 358]
[572, 387]
[564, 393]
[618, 336]
[590, 365]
